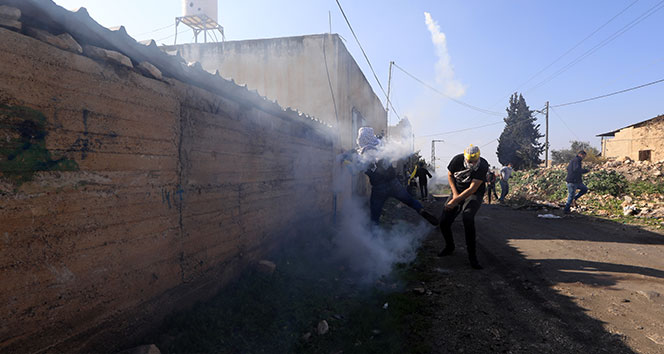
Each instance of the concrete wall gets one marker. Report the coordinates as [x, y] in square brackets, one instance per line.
[303, 72]
[123, 197]
[629, 141]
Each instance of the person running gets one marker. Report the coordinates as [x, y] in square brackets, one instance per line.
[466, 174]
[505, 174]
[491, 186]
[421, 173]
[383, 179]
[575, 181]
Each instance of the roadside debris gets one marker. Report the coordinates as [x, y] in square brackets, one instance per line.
[548, 216]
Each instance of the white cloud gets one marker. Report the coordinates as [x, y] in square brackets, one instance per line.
[444, 69]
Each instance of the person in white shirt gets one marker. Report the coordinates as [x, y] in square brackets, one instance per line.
[505, 174]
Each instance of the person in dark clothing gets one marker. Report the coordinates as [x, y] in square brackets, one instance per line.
[383, 178]
[575, 181]
[491, 185]
[421, 173]
[467, 174]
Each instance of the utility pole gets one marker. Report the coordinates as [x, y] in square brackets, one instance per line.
[433, 153]
[389, 82]
[546, 154]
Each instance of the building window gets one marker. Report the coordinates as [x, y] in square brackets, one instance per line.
[644, 155]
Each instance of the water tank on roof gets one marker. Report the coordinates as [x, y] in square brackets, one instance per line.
[200, 7]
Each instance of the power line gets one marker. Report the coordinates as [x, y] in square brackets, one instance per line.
[577, 44]
[367, 59]
[565, 124]
[485, 111]
[606, 41]
[609, 94]
[531, 120]
[156, 30]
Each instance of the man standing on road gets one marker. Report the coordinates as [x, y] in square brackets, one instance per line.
[466, 175]
[505, 174]
[491, 185]
[421, 173]
[575, 181]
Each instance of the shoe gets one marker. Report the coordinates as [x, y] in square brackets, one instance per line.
[475, 265]
[566, 211]
[574, 203]
[430, 218]
[446, 251]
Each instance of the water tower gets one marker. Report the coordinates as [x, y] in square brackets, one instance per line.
[200, 16]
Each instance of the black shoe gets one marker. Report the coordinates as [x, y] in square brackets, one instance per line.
[446, 251]
[475, 265]
[430, 218]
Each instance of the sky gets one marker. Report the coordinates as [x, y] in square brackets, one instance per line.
[476, 52]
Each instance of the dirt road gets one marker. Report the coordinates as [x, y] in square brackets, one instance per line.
[570, 285]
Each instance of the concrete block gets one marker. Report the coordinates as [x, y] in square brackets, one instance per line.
[10, 13]
[105, 54]
[150, 70]
[11, 24]
[63, 41]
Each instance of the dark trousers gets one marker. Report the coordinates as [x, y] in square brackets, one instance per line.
[380, 193]
[491, 188]
[424, 191]
[467, 209]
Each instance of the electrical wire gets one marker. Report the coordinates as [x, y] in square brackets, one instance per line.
[606, 41]
[565, 124]
[156, 30]
[485, 111]
[577, 44]
[367, 58]
[609, 94]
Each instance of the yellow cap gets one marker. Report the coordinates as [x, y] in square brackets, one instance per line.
[472, 153]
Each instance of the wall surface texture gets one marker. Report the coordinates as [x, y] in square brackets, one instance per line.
[641, 137]
[123, 198]
[309, 73]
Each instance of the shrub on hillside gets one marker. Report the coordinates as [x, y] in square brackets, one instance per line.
[606, 182]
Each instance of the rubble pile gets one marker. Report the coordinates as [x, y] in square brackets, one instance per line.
[618, 188]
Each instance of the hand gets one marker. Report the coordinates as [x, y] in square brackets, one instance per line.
[451, 204]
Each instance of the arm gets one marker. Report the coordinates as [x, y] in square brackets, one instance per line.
[474, 185]
[450, 178]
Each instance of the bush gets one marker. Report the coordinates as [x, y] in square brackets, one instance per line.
[607, 182]
[638, 188]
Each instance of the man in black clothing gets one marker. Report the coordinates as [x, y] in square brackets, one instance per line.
[575, 181]
[466, 174]
[383, 178]
[491, 185]
[421, 173]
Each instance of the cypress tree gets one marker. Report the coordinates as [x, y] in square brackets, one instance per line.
[519, 141]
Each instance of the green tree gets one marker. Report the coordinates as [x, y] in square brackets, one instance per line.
[565, 155]
[519, 141]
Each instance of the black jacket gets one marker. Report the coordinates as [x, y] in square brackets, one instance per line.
[422, 174]
[574, 170]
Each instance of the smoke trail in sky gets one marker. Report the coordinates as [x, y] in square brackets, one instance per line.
[444, 70]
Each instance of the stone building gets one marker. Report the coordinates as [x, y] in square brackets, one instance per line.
[643, 141]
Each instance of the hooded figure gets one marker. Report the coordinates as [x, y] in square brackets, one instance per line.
[383, 177]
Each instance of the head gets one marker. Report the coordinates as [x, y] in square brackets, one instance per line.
[582, 154]
[472, 154]
[509, 164]
[366, 138]
[421, 164]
